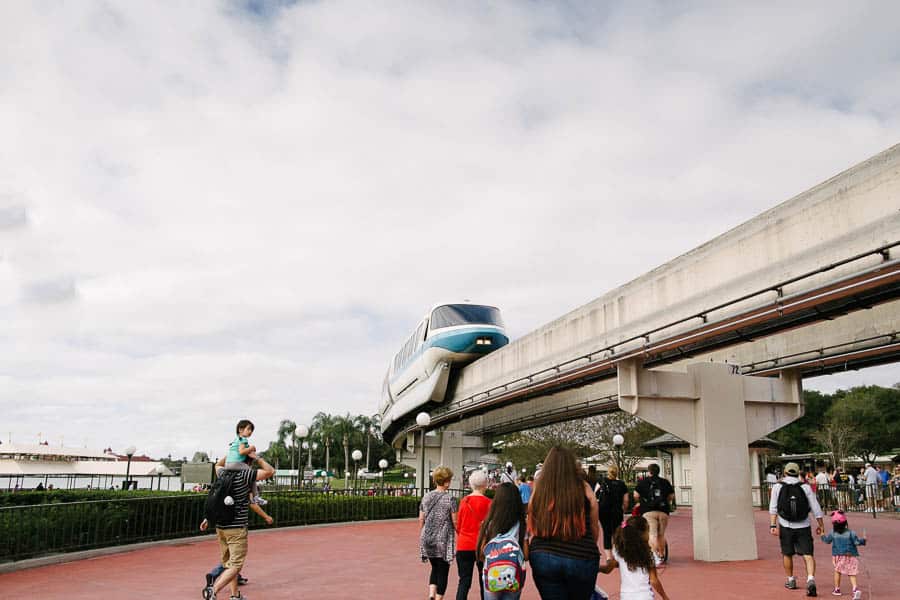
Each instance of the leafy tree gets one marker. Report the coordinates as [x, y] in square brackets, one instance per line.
[798, 437]
[873, 412]
[585, 437]
[840, 439]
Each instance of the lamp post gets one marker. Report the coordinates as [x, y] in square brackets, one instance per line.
[618, 441]
[315, 446]
[382, 464]
[301, 432]
[423, 420]
[357, 456]
[129, 452]
[305, 446]
[160, 469]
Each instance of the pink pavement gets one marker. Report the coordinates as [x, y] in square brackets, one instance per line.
[379, 561]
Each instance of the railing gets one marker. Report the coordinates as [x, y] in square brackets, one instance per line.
[873, 499]
[39, 529]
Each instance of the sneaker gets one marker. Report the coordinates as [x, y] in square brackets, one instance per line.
[242, 580]
[836, 592]
[657, 559]
[240, 596]
[811, 587]
[791, 583]
[210, 580]
[209, 593]
[857, 594]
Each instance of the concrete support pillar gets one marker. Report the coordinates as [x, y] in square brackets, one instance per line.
[718, 412]
[445, 448]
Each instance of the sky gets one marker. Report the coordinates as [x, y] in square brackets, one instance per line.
[212, 210]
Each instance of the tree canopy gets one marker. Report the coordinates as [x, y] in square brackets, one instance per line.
[862, 421]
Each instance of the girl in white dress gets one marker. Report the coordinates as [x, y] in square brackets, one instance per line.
[632, 555]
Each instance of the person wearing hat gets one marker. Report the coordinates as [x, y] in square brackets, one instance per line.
[789, 506]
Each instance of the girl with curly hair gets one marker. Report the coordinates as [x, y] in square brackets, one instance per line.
[632, 555]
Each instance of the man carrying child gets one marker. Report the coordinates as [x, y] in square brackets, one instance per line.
[232, 536]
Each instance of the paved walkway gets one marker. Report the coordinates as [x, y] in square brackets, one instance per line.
[378, 561]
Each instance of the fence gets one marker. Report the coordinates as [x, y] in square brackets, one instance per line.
[33, 530]
[874, 498]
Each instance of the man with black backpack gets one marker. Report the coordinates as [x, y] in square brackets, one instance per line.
[228, 510]
[655, 495]
[789, 506]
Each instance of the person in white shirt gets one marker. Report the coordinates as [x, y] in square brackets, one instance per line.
[789, 521]
[873, 487]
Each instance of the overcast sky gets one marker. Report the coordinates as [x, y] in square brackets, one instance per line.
[216, 210]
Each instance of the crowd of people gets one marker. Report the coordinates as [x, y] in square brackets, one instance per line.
[555, 522]
[872, 487]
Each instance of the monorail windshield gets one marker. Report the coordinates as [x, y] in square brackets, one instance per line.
[451, 315]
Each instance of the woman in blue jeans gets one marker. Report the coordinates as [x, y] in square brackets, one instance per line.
[563, 523]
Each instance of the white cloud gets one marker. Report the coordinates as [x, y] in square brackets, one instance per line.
[245, 213]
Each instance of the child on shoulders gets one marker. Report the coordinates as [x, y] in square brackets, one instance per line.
[241, 454]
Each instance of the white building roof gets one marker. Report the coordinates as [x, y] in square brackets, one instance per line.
[58, 452]
[13, 468]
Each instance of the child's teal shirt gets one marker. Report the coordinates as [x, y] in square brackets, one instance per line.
[234, 454]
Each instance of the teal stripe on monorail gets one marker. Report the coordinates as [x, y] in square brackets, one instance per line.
[460, 341]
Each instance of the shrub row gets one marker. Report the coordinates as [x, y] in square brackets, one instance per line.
[78, 495]
[35, 530]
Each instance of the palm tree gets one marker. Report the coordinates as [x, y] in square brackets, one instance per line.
[323, 426]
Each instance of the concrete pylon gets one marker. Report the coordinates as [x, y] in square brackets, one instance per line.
[718, 412]
[445, 448]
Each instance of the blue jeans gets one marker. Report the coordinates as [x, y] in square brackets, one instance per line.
[561, 578]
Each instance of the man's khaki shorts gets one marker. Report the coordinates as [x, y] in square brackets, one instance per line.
[658, 520]
[233, 543]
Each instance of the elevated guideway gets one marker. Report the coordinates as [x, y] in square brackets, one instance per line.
[711, 346]
[810, 286]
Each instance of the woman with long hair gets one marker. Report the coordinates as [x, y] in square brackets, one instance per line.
[563, 523]
[437, 539]
[506, 514]
[472, 511]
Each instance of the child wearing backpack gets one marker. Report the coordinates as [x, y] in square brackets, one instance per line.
[635, 561]
[241, 454]
[844, 553]
[502, 545]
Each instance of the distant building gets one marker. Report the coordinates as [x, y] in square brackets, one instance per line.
[674, 458]
[26, 465]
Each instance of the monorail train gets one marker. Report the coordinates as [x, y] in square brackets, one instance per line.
[448, 336]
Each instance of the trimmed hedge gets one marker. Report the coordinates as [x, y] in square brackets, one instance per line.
[31, 497]
[35, 530]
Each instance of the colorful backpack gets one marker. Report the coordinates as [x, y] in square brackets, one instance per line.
[503, 560]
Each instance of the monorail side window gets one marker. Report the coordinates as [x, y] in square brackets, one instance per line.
[452, 315]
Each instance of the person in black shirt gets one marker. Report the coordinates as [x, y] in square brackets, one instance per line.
[612, 502]
[655, 495]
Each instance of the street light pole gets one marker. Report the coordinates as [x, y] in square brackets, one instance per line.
[357, 456]
[618, 441]
[129, 452]
[301, 432]
[383, 463]
[423, 420]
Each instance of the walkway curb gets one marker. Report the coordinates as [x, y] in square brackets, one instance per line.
[66, 557]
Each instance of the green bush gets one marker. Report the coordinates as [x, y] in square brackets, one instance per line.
[59, 526]
[58, 496]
